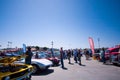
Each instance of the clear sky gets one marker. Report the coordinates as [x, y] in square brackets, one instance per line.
[68, 23]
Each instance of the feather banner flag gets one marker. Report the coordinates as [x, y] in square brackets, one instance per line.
[24, 48]
[91, 42]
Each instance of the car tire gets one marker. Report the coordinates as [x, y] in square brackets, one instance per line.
[115, 64]
[46, 68]
[35, 69]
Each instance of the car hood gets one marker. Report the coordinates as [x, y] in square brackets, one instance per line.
[43, 61]
[9, 59]
[37, 61]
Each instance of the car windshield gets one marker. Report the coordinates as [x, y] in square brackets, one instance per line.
[42, 55]
[115, 50]
[107, 51]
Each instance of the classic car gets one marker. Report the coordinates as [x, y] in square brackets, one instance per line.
[38, 64]
[14, 71]
[10, 54]
[45, 55]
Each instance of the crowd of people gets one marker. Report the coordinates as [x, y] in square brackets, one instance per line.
[76, 54]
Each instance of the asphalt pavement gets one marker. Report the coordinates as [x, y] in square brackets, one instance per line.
[89, 70]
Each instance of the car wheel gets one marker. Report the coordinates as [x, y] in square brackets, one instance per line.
[115, 64]
[47, 67]
[35, 69]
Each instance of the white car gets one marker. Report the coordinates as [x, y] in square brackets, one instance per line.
[39, 64]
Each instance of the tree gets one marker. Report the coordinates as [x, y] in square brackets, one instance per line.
[45, 48]
[37, 48]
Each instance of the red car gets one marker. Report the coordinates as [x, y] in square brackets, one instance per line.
[113, 54]
[54, 60]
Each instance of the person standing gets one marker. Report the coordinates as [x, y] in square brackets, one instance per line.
[103, 55]
[79, 56]
[75, 53]
[36, 55]
[28, 58]
[90, 52]
[69, 55]
[65, 54]
[29, 55]
[86, 52]
[62, 56]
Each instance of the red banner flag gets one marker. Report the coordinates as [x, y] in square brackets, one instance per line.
[91, 45]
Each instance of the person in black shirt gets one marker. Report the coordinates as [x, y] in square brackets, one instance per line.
[61, 56]
[29, 55]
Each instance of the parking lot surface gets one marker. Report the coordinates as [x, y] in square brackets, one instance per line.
[89, 70]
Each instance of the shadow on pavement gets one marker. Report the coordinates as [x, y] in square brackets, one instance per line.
[108, 63]
[117, 65]
[82, 65]
[71, 63]
[46, 72]
[56, 65]
[111, 64]
[65, 68]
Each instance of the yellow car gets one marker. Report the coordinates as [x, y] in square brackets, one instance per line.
[9, 70]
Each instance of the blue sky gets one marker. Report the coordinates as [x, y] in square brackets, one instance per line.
[68, 23]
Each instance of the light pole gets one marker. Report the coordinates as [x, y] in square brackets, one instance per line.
[52, 44]
[52, 49]
[0, 47]
[99, 42]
